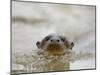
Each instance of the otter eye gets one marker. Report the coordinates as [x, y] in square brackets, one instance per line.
[62, 39]
[47, 38]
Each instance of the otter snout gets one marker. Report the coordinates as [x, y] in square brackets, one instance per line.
[54, 40]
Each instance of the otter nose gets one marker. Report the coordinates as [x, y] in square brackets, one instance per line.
[54, 40]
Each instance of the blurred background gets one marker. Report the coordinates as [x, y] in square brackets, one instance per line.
[32, 21]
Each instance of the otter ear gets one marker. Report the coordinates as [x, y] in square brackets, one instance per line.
[71, 45]
[38, 44]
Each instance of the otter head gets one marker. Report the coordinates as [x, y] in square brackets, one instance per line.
[55, 43]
